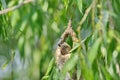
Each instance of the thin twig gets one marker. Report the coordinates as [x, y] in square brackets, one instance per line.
[15, 7]
[110, 17]
[86, 13]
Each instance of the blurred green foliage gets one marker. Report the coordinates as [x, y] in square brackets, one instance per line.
[29, 37]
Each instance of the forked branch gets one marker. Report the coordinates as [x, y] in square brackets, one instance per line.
[15, 7]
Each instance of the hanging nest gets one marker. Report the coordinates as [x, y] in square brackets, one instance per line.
[62, 53]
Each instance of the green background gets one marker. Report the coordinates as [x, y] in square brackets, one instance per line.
[29, 37]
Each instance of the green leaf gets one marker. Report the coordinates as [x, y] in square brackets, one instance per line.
[5, 65]
[66, 2]
[4, 3]
[70, 63]
[92, 53]
[86, 71]
[51, 64]
[78, 70]
[105, 73]
[45, 78]
[79, 4]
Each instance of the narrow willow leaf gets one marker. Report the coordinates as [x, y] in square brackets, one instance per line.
[93, 51]
[85, 70]
[52, 73]
[85, 33]
[55, 74]
[79, 4]
[45, 78]
[105, 19]
[78, 70]
[5, 65]
[4, 3]
[106, 74]
[50, 66]
[70, 63]
[66, 2]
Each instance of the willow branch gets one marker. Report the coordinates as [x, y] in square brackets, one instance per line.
[110, 17]
[86, 13]
[15, 7]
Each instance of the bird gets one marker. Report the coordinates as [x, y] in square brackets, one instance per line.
[62, 54]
